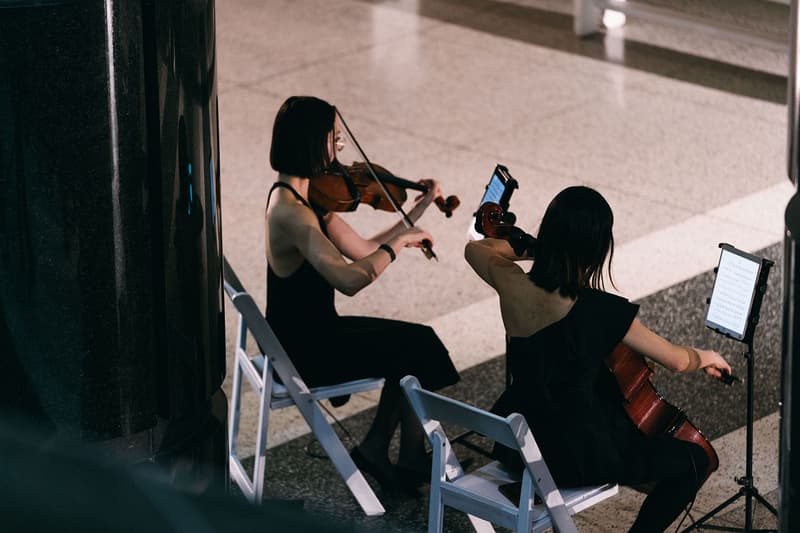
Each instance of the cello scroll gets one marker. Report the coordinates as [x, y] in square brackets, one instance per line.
[494, 222]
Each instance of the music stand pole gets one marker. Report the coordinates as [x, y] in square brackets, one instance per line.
[748, 489]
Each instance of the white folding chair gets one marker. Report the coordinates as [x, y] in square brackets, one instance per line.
[259, 371]
[478, 493]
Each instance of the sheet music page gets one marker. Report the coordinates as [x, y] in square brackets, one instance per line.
[733, 292]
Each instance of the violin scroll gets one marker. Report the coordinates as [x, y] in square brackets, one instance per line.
[447, 205]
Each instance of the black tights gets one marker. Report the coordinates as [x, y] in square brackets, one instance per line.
[675, 467]
[394, 409]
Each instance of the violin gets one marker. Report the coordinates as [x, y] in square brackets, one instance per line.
[646, 408]
[345, 187]
[378, 195]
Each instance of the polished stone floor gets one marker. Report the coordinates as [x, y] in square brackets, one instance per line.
[684, 134]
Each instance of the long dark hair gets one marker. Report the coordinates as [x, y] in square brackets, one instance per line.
[573, 242]
[300, 136]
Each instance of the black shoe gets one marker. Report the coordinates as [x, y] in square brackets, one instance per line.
[338, 401]
[382, 474]
[416, 477]
[386, 476]
[513, 490]
[411, 477]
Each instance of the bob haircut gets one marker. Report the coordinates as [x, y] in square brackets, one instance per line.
[573, 242]
[300, 136]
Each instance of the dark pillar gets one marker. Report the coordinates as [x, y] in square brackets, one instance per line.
[789, 469]
[790, 394]
[111, 302]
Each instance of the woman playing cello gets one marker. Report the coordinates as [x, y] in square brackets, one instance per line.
[311, 254]
[561, 326]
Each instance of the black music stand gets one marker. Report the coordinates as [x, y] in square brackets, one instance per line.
[733, 311]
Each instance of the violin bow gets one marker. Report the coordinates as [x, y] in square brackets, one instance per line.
[426, 247]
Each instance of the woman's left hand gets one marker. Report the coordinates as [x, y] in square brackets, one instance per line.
[434, 191]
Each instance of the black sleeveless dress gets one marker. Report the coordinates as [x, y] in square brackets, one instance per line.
[573, 405]
[569, 398]
[327, 348]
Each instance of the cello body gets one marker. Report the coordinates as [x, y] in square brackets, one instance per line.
[648, 410]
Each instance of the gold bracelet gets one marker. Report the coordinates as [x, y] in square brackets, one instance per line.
[694, 359]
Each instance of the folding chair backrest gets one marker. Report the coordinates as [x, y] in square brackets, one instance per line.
[455, 490]
[438, 409]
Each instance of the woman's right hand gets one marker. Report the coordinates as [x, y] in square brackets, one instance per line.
[714, 364]
[412, 237]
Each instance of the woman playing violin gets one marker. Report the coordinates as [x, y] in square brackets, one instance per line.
[311, 254]
[561, 325]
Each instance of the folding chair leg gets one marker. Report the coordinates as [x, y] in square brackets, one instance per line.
[436, 512]
[237, 472]
[436, 507]
[338, 455]
[480, 525]
[236, 403]
[586, 18]
[239, 475]
[260, 455]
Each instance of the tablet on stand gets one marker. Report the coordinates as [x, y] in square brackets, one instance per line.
[499, 190]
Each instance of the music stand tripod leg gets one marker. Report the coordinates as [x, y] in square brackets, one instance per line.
[764, 502]
[711, 514]
[748, 489]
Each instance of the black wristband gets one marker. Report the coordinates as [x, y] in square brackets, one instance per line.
[388, 249]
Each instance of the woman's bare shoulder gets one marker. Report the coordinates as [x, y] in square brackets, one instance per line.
[289, 212]
[528, 308]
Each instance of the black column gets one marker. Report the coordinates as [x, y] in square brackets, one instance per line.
[111, 310]
[789, 468]
[789, 514]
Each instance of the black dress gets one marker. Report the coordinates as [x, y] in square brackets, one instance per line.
[572, 403]
[568, 396]
[327, 348]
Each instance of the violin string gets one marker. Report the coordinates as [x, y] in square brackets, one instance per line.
[404, 217]
[368, 164]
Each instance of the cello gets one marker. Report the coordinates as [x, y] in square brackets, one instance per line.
[643, 404]
[648, 410]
